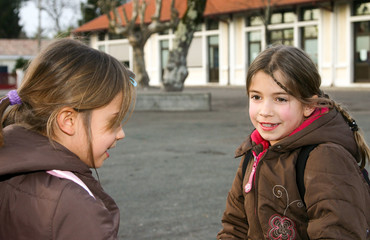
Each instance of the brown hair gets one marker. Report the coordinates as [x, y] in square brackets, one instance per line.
[69, 73]
[302, 80]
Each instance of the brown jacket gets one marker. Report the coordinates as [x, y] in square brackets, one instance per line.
[36, 205]
[337, 197]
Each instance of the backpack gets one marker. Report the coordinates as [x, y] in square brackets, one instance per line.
[300, 166]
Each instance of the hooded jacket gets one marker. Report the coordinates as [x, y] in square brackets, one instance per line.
[37, 205]
[337, 198]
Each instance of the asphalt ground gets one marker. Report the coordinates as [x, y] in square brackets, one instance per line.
[171, 174]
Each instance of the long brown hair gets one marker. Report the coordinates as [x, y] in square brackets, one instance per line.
[302, 80]
[69, 73]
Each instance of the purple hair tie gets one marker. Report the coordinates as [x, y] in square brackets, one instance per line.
[13, 98]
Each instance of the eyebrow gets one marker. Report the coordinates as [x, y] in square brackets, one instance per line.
[275, 93]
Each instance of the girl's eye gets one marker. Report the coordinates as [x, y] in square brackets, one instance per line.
[255, 97]
[280, 99]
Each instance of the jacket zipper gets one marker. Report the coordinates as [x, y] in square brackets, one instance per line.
[256, 190]
[249, 184]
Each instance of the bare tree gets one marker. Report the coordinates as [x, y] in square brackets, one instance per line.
[56, 10]
[176, 70]
[136, 30]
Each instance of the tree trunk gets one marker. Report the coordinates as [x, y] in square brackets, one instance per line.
[176, 70]
[139, 67]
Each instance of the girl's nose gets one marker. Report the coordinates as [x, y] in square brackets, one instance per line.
[266, 109]
[120, 134]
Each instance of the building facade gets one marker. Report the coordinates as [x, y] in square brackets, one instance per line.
[336, 34]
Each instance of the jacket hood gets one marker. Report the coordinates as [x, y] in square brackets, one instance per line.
[330, 127]
[27, 151]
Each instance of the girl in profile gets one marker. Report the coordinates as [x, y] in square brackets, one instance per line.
[61, 122]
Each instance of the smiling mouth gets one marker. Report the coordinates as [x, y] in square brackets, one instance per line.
[269, 126]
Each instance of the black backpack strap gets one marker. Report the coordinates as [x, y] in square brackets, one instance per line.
[247, 157]
[300, 166]
[366, 175]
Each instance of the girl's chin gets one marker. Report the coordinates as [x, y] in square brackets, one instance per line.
[269, 138]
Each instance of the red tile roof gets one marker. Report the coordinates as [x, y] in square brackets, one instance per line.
[219, 7]
[213, 7]
[101, 23]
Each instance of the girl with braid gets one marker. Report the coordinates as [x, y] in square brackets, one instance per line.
[61, 122]
[289, 111]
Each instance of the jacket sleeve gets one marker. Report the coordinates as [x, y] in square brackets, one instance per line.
[234, 220]
[336, 196]
[79, 216]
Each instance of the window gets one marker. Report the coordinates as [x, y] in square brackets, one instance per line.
[126, 64]
[165, 50]
[165, 32]
[309, 42]
[254, 45]
[254, 21]
[114, 36]
[101, 36]
[309, 14]
[211, 24]
[213, 60]
[101, 48]
[361, 8]
[282, 36]
[282, 17]
[198, 28]
[362, 51]
[289, 17]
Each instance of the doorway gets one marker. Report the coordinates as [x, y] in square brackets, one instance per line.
[362, 51]
[213, 59]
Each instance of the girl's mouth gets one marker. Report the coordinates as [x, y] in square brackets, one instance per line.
[107, 153]
[269, 126]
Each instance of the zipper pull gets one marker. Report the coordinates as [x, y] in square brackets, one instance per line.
[248, 186]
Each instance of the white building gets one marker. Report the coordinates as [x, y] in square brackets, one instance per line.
[336, 34]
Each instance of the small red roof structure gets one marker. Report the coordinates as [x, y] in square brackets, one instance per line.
[213, 8]
[21, 47]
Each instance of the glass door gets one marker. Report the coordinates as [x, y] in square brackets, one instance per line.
[362, 52]
[213, 59]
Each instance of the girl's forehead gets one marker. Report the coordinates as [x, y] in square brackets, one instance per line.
[264, 82]
[274, 79]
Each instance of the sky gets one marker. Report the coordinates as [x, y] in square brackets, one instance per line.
[29, 19]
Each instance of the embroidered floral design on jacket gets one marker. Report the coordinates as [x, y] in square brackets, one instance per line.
[282, 227]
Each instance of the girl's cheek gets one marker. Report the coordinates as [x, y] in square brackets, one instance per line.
[252, 110]
[286, 112]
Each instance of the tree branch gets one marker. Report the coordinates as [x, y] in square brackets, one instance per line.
[158, 26]
[142, 14]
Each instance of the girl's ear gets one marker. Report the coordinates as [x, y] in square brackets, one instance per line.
[66, 120]
[309, 109]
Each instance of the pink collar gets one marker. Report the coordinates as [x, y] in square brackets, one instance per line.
[318, 113]
[257, 138]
